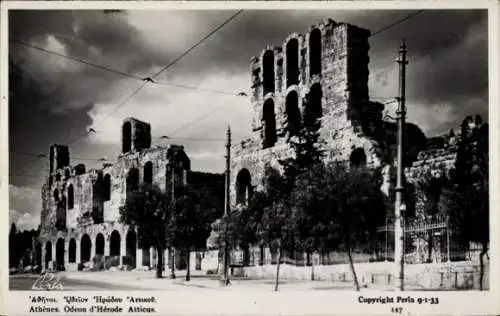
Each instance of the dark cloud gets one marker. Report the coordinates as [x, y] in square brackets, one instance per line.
[52, 97]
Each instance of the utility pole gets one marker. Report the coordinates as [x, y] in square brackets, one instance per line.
[172, 249]
[400, 207]
[225, 277]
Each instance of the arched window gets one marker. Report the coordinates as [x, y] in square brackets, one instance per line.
[313, 107]
[357, 158]
[243, 186]
[292, 62]
[71, 197]
[133, 179]
[114, 243]
[126, 137]
[99, 244]
[48, 253]
[67, 174]
[269, 122]
[60, 254]
[268, 71]
[107, 187]
[72, 251]
[292, 113]
[315, 52]
[85, 248]
[148, 172]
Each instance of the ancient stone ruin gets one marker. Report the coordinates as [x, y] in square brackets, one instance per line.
[80, 218]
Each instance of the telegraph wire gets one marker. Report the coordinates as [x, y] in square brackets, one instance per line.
[150, 79]
[17, 42]
[385, 28]
[198, 43]
[124, 74]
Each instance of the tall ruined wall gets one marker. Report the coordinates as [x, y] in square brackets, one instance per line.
[97, 195]
[330, 81]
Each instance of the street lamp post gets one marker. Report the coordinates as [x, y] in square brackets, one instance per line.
[399, 206]
[224, 281]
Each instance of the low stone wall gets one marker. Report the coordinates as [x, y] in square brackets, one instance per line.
[455, 275]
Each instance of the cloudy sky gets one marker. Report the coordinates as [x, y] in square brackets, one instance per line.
[56, 100]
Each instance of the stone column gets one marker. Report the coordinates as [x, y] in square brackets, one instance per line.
[78, 251]
[151, 258]
[138, 257]
[166, 260]
[93, 247]
[44, 254]
[66, 255]
[123, 249]
[54, 254]
[107, 248]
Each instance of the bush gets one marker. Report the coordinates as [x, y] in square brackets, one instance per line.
[111, 262]
[99, 263]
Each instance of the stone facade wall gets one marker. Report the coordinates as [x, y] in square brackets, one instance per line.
[343, 81]
[61, 221]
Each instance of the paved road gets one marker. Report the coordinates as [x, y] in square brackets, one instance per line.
[25, 282]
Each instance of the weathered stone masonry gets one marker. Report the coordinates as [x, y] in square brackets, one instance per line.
[325, 72]
[80, 217]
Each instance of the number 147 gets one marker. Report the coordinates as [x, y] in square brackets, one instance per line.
[397, 310]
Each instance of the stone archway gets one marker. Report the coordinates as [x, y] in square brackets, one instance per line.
[99, 244]
[72, 251]
[131, 247]
[48, 253]
[114, 243]
[85, 248]
[243, 186]
[60, 255]
[292, 62]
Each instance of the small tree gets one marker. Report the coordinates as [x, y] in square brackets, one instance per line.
[276, 225]
[467, 200]
[148, 209]
[339, 209]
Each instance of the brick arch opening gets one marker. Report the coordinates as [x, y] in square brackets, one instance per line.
[114, 243]
[56, 195]
[72, 251]
[107, 187]
[131, 247]
[292, 113]
[269, 120]
[243, 186]
[132, 180]
[292, 62]
[60, 254]
[99, 244]
[268, 72]
[126, 137]
[357, 159]
[71, 197]
[315, 52]
[313, 107]
[85, 248]
[148, 172]
[48, 253]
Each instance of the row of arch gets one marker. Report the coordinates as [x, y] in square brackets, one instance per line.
[292, 62]
[102, 186]
[86, 248]
[313, 111]
[244, 188]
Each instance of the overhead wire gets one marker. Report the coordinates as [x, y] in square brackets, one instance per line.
[151, 79]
